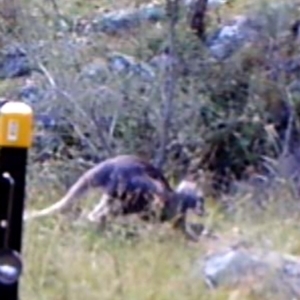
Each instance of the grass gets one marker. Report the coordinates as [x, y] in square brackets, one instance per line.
[73, 260]
[76, 263]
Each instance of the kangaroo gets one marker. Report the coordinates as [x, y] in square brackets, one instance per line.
[139, 188]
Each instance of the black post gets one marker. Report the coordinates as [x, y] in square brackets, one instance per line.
[15, 140]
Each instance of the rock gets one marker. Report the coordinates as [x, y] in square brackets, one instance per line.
[231, 37]
[228, 267]
[45, 121]
[119, 64]
[95, 71]
[115, 22]
[14, 63]
[217, 3]
[125, 64]
[30, 94]
[33, 95]
[45, 146]
[276, 273]
[210, 3]
[118, 21]
[152, 13]
[247, 29]
[45, 140]
[38, 98]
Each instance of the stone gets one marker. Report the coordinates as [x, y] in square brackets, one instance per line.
[95, 71]
[229, 38]
[30, 94]
[125, 64]
[14, 63]
[278, 274]
[212, 4]
[118, 21]
[228, 266]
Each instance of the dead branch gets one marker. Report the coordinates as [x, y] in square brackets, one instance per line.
[99, 124]
[70, 99]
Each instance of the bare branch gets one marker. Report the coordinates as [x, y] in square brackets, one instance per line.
[289, 129]
[68, 97]
[47, 74]
[98, 123]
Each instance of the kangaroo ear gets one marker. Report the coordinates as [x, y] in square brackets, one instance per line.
[189, 187]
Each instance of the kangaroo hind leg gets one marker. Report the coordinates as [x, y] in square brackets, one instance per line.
[101, 211]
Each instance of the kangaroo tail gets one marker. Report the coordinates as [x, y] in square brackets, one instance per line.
[73, 196]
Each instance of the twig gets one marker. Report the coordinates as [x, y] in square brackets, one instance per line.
[113, 124]
[99, 124]
[288, 132]
[68, 97]
[45, 71]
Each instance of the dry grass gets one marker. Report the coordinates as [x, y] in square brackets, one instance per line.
[73, 260]
[77, 261]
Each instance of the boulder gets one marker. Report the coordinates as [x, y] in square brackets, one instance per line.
[232, 36]
[14, 63]
[118, 21]
[273, 273]
[126, 64]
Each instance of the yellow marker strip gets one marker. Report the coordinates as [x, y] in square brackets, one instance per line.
[16, 125]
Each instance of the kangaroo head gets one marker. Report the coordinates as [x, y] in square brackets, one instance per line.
[190, 197]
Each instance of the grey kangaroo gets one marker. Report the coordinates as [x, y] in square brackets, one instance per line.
[137, 185]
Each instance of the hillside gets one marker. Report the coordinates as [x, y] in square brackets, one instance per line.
[220, 104]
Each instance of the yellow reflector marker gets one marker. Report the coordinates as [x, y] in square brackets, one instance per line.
[16, 124]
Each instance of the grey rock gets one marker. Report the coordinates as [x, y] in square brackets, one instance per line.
[125, 64]
[279, 274]
[14, 63]
[95, 71]
[45, 121]
[36, 97]
[249, 28]
[45, 145]
[152, 13]
[229, 266]
[229, 38]
[30, 94]
[212, 4]
[118, 21]
[117, 64]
